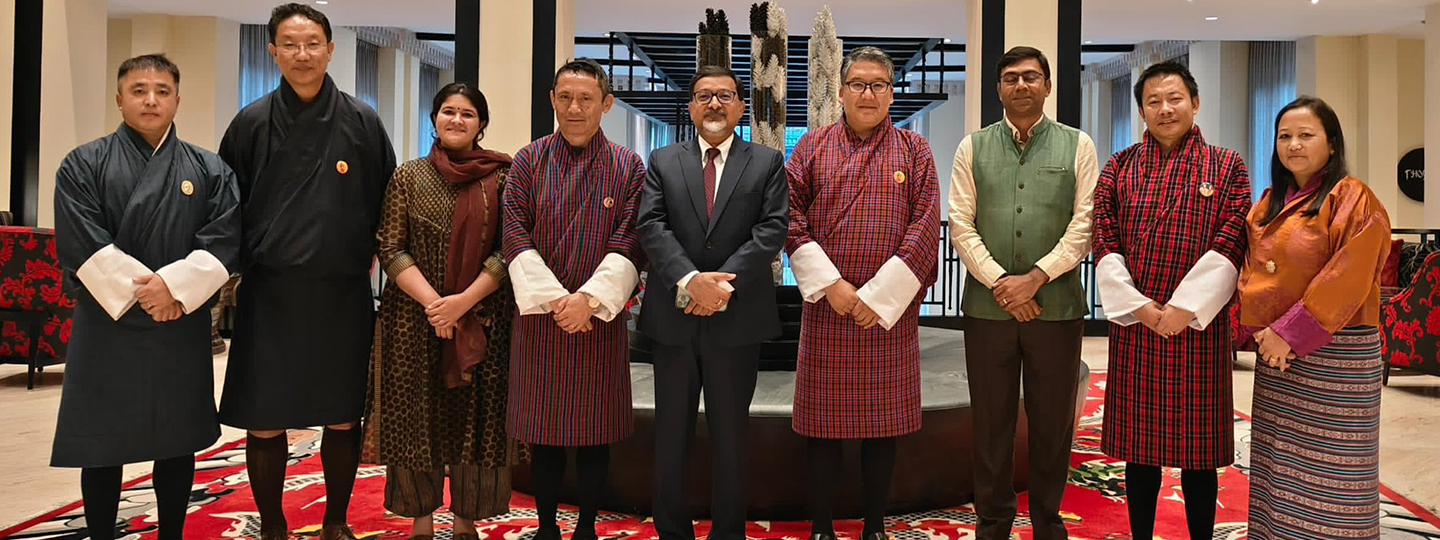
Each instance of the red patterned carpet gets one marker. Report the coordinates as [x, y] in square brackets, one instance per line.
[221, 506]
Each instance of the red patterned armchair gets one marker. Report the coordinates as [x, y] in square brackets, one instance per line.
[34, 306]
[1410, 322]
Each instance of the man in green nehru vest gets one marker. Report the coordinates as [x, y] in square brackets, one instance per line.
[1020, 212]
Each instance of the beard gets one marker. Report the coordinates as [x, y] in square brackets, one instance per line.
[713, 126]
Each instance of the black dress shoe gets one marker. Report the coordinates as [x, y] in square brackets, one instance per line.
[587, 534]
[547, 533]
[822, 536]
[876, 536]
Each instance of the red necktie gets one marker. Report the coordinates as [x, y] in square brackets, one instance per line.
[710, 156]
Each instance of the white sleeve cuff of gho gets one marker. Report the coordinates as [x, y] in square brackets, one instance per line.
[891, 291]
[535, 285]
[1118, 296]
[612, 284]
[109, 275]
[194, 279]
[1206, 288]
[813, 271]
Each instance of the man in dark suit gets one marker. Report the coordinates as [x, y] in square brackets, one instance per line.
[713, 215]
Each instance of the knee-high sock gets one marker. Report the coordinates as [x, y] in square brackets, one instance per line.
[824, 466]
[340, 458]
[593, 468]
[100, 488]
[877, 463]
[265, 461]
[1142, 487]
[173, 479]
[548, 469]
[1200, 487]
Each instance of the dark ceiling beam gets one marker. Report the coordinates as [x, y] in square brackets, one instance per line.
[640, 54]
[919, 56]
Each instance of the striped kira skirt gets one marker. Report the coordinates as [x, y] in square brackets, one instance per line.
[1315, 447]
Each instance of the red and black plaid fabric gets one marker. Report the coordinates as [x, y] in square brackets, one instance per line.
[32, 282]
[862, 201]
[573, 206]
[1168, 401]
[1410, 322]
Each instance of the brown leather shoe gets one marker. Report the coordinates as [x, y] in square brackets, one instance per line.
[337, 532]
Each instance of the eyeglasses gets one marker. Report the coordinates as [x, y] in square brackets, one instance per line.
[703, 97]
[293, 49]
[877, 88]
[1030, 77]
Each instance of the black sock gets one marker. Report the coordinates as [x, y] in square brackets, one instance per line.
[1200, 487]
[173, 480]
[265, 461]
[877, 464]
[100, 488]
[824, 466]
[340, 458]
[547, 468]
[592, 464]
[1142, 488]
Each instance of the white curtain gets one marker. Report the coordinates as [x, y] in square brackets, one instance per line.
[1122, 105]
[258, 73]
[1272, 86]
[429, 86]
[367, 73]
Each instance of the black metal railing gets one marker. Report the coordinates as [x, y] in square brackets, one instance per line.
[943, 299]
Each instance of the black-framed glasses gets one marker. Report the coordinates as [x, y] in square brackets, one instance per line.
[726, 97]
[878, 87]
[1030, 77]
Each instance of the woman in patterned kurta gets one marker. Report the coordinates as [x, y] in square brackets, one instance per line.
[864, 213]
[1310, 293]
[427, 414]
[1166, 220]
[570, 207]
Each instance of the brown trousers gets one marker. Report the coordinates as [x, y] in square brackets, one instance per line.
[999, 356]
[475, 493]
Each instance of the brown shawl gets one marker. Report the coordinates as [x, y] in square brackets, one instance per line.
[472, 237]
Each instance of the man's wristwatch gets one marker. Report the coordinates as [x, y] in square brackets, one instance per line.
[594, 302]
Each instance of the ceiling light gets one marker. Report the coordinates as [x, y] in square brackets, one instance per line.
[322, 2]
[1089, 41]
[1313, 2]
[1212, 18]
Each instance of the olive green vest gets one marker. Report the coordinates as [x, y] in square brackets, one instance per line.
[1024, 201]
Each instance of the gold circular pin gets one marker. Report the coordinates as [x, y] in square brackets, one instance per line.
[1207, 189]
[187, 188]
[342, 167]
[609, 202]
[899, 177]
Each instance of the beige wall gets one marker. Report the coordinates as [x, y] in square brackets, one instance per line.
[1410, 113]
[207, 50]
[342, 63]
[1222, 69]
[505, 67]
[1431, 67]
[72, 76]
[7, 94]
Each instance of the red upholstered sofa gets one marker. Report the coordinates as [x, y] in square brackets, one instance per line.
[35, 306]
[1409, 320]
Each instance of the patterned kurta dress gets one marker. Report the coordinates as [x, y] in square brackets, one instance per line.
[1315, 282]
[415, 422]
[1168, 402]
[863, 202]
[573, 206]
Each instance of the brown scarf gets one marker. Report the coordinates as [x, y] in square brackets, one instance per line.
[472, 234]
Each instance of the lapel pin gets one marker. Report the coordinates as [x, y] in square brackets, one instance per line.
[187, 188]
[342, 167]
[899, 177]
[1207, 189]
[609, 202]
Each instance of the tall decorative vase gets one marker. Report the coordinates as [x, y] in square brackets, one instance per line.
[826, 54]
[768, 49]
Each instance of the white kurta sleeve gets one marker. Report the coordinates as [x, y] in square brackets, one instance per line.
[1118, 295]
[963, 233]
[1206, 288]
[611, 284]
[194, 279]
[535, 285]
[109, 275]
[813, 271]
[891, 291]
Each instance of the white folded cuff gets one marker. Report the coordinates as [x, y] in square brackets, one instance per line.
[1206, 289]
[109, 275]
[1118, 296]
[685, 281]
[813, 271]
[612, 284]
[194, 279]
[535, 285]
[891, 291]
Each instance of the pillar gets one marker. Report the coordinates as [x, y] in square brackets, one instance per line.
[72, 76]
[1222, 69]
[342, 62]
[522, 42]
[1053, 26]
[1374, 142]
[397, 103]
[7, 95]
[1432, 113]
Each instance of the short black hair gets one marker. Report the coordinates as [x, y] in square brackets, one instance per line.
[157, 62]
[1161, 70]
[715, 71]
[284, 12]
[1021, 54]
[586, 67]
[476, 97]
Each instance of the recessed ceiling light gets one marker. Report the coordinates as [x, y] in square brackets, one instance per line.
[1089, 41]
[322, 2]
[1313, 2]
[1212, 18]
